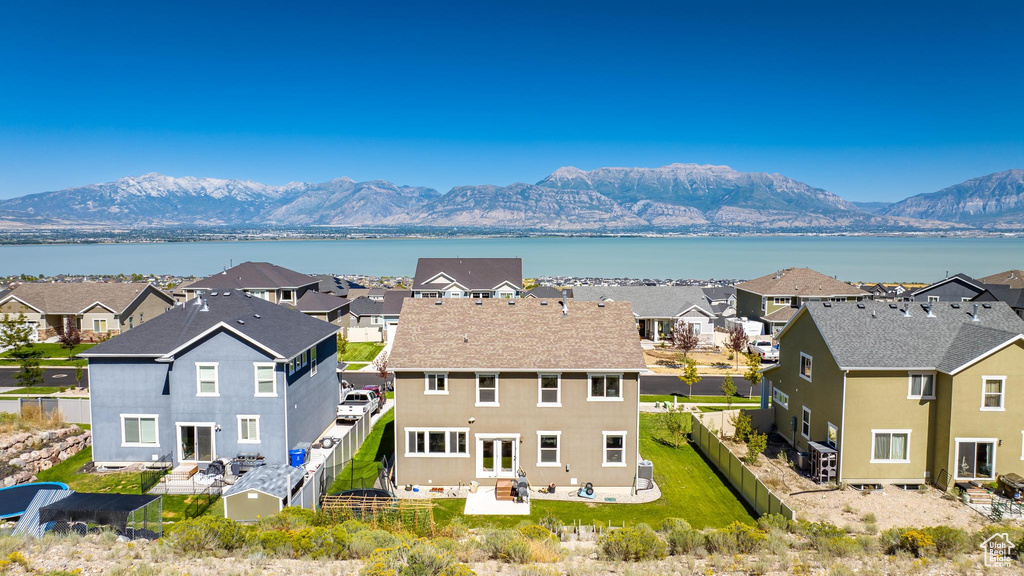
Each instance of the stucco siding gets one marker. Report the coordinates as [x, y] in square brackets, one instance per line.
[145, 309]
[313, 399]
[119, 387]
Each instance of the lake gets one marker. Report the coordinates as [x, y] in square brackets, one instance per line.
[852, 259]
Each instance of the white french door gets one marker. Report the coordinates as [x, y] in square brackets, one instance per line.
[196, 442]
[497, 456]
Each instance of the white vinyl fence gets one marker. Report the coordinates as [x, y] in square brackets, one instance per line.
[75, 410]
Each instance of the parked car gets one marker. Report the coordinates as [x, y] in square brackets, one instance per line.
[356, 404]
[764, 348]
[376, 389]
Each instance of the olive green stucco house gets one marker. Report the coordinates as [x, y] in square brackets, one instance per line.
[907, 393]
[775, 298]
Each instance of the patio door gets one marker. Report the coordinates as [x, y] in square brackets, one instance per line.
[195, 443]
[497, 457]
[975, 459]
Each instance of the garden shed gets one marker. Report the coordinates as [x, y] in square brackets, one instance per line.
[262, 491]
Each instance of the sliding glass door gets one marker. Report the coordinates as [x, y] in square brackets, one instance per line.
[975, 459]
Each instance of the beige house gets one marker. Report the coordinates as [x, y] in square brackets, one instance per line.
[907, 393]
[775, 298]
[97, 309]
[486, 387]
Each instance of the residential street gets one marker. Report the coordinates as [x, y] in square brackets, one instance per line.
[53, 377]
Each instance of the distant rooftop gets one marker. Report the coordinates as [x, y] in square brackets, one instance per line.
[254, 275]
[803, 282]
[74, 298]
[472, 273]
[648, 301]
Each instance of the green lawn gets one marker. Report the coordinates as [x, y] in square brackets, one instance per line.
[356, 365]
[69, 472]
[361, 351]
[681, 398]
[47, 362]
[362, 470]
[36, 390]
[52, 350]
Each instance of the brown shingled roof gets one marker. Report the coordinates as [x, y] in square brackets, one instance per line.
[72, 298]
[499, 334]
[799, 282]
[1011, 278]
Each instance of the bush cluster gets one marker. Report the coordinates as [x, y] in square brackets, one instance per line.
[633, 543]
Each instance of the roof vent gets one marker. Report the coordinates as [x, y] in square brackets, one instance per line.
[213, 293]
[437, 302]
[906, 311]
[930, 309]
[205, 308]
[543, 302]
[465, 339]
[247, 295]
[873, 315]
[565, 307]
[600, 304]
[240, 321]
[479, 302]
[893, 306]
[955, 306]
[860, 305]
[228, 293]
[826, 304]
[974, 316]
[986, 306]
[256, 316]
[511, 302]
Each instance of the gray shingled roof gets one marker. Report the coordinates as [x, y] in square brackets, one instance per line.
[473, 273]
[963, 277]
[714, 293]
[1012, 296]
[279, 328]
[880, 336]
[393, 299]
[799, 282]
[317, 302]
[549, 292]
[647, 301]
[254, 275]
[363, 306]
[269, 478]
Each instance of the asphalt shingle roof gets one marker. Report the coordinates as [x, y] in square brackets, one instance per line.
[72, 298]
[964, 277]
[549, 292]
[254, 275]
[318, 302]
[799, 282]
[876, 335]
[499, 334]
[363, 306]
[269, 478]
[279, 328]
[1011, 278]
[393, 300]
[715, 293]
[473, 273]
[647, 301]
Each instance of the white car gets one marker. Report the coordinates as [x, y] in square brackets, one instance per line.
[356, 404]
[764, 348]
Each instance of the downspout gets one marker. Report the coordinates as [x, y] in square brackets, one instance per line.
[284, 378]
[842, 431]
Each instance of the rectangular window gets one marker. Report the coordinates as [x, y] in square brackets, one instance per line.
[975, 458]
[291, 367]
[614, 449]
[138, 430]
[266, 383]
[992, 391]
[780, 301]
[305, 358]
[437, 384]
[437, 442]
[248, 429]
[890, 446]
[486, 389]
[832, 435]
[805, 423]
[550, 390]
[933, 299]
[376, 320]
[922, 387]
[206, 379]
[805, 366]
[312, 360]
[548, 449]
[286, 295]
[780, 398]
[131, 322]
[605, 387]
[99, 325]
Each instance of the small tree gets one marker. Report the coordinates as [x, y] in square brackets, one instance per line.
[79, 374]
[689, 375]
[684, 338]
[69, 338]
[678, 423]
[753, 373]
[743, 426]
[728, 389]
[756, 443]
[16, 334]
[380, 363]
[342, 345]
[737, 340]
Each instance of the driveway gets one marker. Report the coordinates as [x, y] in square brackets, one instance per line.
[658, 384]
[51, 377]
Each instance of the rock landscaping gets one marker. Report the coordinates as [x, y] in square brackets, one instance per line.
[23, 454]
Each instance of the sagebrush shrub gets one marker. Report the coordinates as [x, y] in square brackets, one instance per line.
[633, 544]
[720, 542]
[770, 522]
[948, 541]
[748, 538]
[670, 524]
[207, 533]
[366, 542]
[507, 546]
[684, 541]
[535, 532]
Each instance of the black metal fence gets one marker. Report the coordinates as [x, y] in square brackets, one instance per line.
[200, 502]
[151, 476]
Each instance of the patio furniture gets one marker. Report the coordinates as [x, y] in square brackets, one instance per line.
[1012, 485]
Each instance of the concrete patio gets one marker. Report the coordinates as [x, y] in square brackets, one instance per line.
[483, 503]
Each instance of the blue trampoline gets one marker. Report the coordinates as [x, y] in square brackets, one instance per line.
[14, 500]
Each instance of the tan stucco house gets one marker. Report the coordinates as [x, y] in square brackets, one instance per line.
[485, 387]
[97, 309]
[775, 298]
[907, 393]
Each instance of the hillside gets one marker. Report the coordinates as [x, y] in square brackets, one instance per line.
[996, 199]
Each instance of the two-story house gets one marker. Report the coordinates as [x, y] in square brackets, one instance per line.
[485, 387]
[264, 280]
[658, 308]
[775, 298]
[97, 309]
[955, 288]
[906, 393]
[213, 378]
[468, 278]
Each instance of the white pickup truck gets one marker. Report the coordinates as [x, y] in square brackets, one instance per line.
[764, 348]
[356, 404]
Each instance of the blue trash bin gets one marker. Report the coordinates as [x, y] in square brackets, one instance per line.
[297, 456]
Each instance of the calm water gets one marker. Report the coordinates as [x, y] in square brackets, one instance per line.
[851, 259]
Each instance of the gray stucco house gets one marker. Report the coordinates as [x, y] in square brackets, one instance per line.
[658, 308]
[225, 373]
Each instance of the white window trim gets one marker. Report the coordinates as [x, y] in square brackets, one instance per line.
[932, 299]
[800, 368]
[241, 417]
[806, 410]
[426, 440]
[874, 460]
[156, 420]
[956, 456]
[590, 389]
[312, 360]
[305, 358]
[781, 301]
[256, 379]
[95, 329]
[216, 379]
[910, 386]
[828, 426]
[426, 384]
[604, 449]
[540, 396]
[1022, 444]
[558, 449]
[1002, 394]
[497, 399]
[775, 393]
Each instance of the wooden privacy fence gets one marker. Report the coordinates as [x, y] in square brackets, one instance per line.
[750, 487]
[74, 410]
[317, 484]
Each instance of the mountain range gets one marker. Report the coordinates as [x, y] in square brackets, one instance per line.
[674, 197]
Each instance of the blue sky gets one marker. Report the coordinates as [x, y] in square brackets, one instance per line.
[871, 101]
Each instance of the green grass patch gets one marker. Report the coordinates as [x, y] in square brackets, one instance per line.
[361, 351]
[52, 350]
[681, 398]
[361, 472]
[356, 365]
[48, 362]
[735, 406]
[37, 390]
[691, 489]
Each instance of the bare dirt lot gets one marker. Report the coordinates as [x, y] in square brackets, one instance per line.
[666, 361]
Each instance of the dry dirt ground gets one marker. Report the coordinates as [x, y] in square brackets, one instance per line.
[95, 555]
[666, 361]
